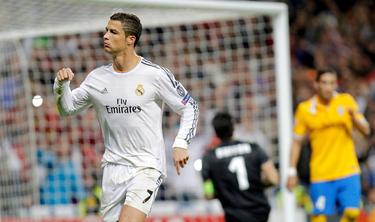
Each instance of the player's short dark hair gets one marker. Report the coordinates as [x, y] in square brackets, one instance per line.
[320, 72]
[130, 23]
[223, 125]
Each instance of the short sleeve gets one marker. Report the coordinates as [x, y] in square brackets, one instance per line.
[299, 127]
[352, 104]
[261, 154]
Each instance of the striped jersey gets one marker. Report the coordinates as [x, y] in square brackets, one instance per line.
[129, 109]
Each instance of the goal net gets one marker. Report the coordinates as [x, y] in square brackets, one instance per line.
[230, 55]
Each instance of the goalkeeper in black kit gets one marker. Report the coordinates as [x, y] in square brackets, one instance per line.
[237, 172]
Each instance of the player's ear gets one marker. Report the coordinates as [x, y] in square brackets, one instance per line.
[336, 85]
[130, 40]
[316, 85]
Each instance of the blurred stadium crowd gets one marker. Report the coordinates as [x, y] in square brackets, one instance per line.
[325, 33]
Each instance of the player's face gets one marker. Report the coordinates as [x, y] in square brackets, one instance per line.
[326, 86]
[115, 40]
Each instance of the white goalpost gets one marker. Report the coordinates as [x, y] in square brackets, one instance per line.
[231, 55]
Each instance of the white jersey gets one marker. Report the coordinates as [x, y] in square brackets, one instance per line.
[129, 109]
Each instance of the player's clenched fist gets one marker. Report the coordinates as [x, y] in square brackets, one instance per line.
[65, 74]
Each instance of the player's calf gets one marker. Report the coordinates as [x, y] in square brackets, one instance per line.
[350, 215]
[318, 218]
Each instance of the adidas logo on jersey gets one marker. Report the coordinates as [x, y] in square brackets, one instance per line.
[104, 91]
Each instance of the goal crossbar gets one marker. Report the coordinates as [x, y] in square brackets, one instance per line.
[205, 10]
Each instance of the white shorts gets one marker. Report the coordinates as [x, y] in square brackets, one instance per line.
[136, 187]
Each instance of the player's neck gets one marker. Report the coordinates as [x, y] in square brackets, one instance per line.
[125, 61]
[227, 140]
[324, 101]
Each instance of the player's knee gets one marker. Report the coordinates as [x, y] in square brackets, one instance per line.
[351, 213]
[318, 218]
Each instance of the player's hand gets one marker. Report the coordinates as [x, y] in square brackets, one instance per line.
[180, 158]
[352, 113]
[65, 74]
[291, 182]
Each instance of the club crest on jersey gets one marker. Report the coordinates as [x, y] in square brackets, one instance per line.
[139, 91]
[340, 110]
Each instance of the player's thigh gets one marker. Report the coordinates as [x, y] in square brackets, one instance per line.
[349, 193]
[323, 198]
[142, 190]
[131, 214]
[114, 186]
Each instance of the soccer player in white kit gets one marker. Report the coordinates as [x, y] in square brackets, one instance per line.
[128, 96]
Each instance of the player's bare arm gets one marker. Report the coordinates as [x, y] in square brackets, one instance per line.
[270, 176]
[359, 123]
[65, 74]
[180, 158]
[294, 156]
